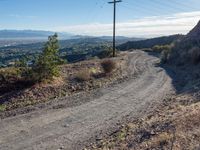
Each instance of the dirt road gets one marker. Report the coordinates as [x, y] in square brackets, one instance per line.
[65, 127]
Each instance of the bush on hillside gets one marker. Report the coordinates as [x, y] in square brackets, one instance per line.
[13, 79]
[160, 48]
[9, 74]
[108, 66]
[84, 75]
[165, 55]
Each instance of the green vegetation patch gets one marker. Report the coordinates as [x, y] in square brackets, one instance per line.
[2, 108]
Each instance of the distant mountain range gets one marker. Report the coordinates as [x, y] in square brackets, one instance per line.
[42, 35]
[30, 34]
[109, 38]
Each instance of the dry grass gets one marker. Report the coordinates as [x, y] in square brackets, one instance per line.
[9, 74]
[175, 125]
[108, 65]
[84, 75]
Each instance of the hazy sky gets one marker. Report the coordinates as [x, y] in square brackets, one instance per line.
[138, 18]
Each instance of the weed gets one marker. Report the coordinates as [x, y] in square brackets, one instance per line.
[84, 75]
[108, 66]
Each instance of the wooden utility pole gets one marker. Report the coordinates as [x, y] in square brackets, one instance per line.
[114, 26]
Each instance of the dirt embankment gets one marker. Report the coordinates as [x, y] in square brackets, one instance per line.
[65, 86]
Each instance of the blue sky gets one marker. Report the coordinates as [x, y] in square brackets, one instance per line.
[94, 17]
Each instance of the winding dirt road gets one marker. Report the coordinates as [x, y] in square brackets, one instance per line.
[65, 128]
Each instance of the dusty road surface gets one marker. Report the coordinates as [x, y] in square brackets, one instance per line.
[65, 127]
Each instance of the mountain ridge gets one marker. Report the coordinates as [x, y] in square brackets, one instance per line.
[149, 43]
[31, 34]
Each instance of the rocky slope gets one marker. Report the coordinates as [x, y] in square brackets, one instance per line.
[187, 49]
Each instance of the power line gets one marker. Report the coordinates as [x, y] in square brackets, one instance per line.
[168, 5]
[184, 5]
[90, 15]
[144, 8]
[139, 9]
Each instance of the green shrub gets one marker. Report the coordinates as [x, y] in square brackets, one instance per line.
[160, 48]
[2, 108]
[108, 66]
[84, 75]
[9, 74]
[165, 53]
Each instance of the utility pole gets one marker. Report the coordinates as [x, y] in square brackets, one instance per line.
[114, 24]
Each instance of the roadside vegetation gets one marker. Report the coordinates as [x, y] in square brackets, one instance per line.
[164, 51]
[108, 66]
[84, 75]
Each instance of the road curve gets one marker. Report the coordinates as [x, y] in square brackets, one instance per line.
[64, 128]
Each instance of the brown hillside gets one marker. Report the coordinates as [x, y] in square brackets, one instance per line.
[187, 50]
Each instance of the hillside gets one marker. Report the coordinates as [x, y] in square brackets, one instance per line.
[149, 43]
[187, 49]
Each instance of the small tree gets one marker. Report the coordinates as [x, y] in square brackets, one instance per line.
[46, 66]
